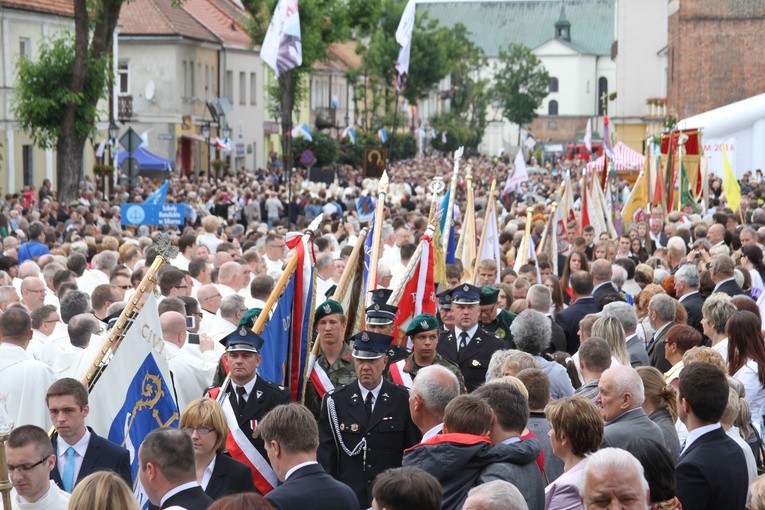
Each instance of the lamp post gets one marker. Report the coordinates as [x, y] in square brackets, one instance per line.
[206, 136]
[114, 132]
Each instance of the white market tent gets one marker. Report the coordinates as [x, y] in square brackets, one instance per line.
[740, 127]
[624, 159]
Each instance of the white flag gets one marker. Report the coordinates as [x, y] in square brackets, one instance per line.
[588, 135]
[282, 48]
[519, 175]
[490, 247]
[404, 39]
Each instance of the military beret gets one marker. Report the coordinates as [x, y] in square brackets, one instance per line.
[328, 307]
[421, 323]
[249, 317]
[489, 295]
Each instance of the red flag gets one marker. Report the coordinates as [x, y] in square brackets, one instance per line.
[419, 294]
[585, 215]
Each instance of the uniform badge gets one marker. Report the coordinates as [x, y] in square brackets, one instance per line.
[354, 427]
[377, 306]
[242, 331]
[342, 427]
[327, 308]
[424, 324]
[466, 288]
[476, 363]
[258, 394]
[499, 333]
[364, 337]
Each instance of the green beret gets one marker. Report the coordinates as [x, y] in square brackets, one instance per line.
[421, 323]
[249, 317]
[330, 292]
[489, 295]
[328, 307]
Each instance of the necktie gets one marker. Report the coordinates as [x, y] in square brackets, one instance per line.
[463, 340]
[240, 399]
[368, 405]
[67, 478]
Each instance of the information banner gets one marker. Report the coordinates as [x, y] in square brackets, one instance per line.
[154, 214]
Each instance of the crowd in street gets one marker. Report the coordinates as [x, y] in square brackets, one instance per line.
[630, 370]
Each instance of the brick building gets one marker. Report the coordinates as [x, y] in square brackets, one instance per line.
[715, 53]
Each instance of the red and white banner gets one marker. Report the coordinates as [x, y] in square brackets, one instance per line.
[399, 376]
[320, 379]
[419, 294]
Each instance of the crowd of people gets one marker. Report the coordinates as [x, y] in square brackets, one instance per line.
[629, 371]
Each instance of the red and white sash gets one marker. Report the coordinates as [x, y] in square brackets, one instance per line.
[320, 380]
[399, 376]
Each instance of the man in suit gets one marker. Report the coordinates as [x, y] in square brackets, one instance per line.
[687, 283]
[79, 450]
[365, 426]
[468, 345]
[250, 397]
[620, 397]
[627, 316]
[589, 238]
[539, 298]
[603, 290]
[167, 471]
[711, 471]
[661, 314]
[291, 437]
[721, 269]
[583, 304]
[435, 387]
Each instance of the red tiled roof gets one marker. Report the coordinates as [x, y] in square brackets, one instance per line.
[159, 17]
[218, 22]
[59, 7]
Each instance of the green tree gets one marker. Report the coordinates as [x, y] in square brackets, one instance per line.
[520, 85]
[323, 146]
[56, 96]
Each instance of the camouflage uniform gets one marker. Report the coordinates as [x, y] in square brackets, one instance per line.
[341, 372]
[500, 327]
[411, 368]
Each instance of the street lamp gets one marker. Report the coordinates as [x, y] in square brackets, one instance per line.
[206, 136]
[114, 132]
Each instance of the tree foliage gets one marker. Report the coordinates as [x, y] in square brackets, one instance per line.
[521, 83]
[39, 105]
[323, 146]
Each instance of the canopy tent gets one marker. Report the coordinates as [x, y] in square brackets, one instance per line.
[147, 160]
[624, 159]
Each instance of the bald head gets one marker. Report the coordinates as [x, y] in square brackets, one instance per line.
[601, 271]
[173, 326]
[231, 274]
[28, 268]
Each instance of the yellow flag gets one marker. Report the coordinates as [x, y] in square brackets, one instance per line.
[730, 184]
[634, 210]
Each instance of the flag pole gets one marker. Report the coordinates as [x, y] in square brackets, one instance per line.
[382, 190]
[395, 296]
[490, 209]
[450, 207]
[523, 249]
[466, 244]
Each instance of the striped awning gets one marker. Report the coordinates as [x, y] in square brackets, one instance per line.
[624, 159]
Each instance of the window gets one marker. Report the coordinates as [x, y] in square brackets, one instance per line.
[207, 82]
[553, 84]
[552, 107]
[242, 87]
[27, 164]
[602, 95]
[230, 86]
[199, 92]
[185, 80]
[192, 83]
[253, 88]
[25, 47]
[123, 72]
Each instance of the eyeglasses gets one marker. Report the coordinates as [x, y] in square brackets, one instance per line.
[202, 431]
[211, 297]
[25, 468]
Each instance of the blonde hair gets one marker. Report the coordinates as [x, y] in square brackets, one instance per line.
[102, 490]
[704, 354]
[210, 223]
[611, 330]
[515, 382]
[660, 394]
[757, 489]
[205, 412]
[519, 359]
[579, 420]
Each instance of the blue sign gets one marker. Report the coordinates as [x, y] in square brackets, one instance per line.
[154, 214]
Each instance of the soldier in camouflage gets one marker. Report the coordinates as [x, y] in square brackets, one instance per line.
[493, 320]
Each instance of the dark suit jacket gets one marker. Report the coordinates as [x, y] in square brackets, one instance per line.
[605, 294]
[631, 424]
[568, 319]
[311, 488]
[711, 474]
[473, 360]
[638, 356]
[656, 351]
[229, 477]
[190, 499]
[692, 305]
[101, 455]
[558, 342]
[730, 288]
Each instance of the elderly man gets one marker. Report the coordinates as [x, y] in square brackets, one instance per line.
[495, 495]
[291, 438]
[620, 397]
[435, 387]
[687, 283]
[626, 315]
[721, 269]
[231, 278]
[32, 292]
[31, 459]
[661, 314]
[716, 237]
[613, 478]
[532, 331]
[539, 298]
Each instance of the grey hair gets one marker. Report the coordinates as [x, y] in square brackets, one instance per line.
[323, 261]
[5, 293]
[107, 260]
[519, 358]
[676, 245]
[28, 268]
[437, 386]
[498, 495]
[664, 306]
[51, 269]
[618, 275]
[81, 327]
[723, 265]
[539, 298]
[531, 332]
[74, 303]
[624, 312]
[627, 380]
[613, 460]
[230, 305]
[717, 309]
[688, 274]
[659, 274]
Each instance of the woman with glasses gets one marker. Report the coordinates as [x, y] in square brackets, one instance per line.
[218, 474]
